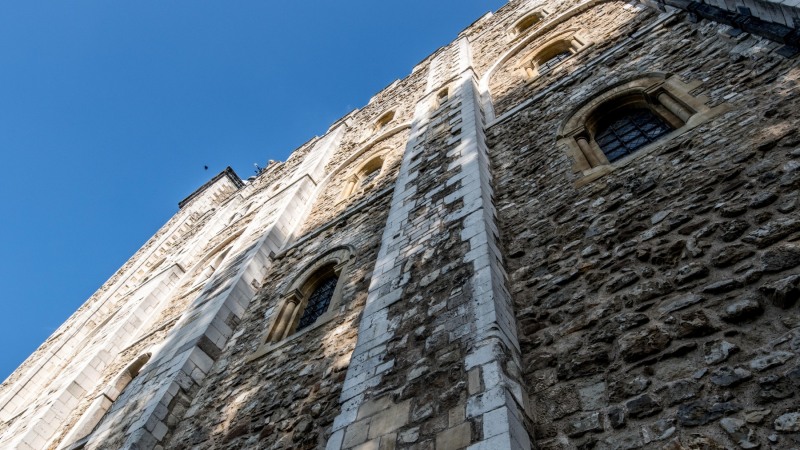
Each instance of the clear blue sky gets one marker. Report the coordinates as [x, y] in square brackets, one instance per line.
[110, 109]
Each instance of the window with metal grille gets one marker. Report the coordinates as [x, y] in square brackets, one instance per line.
[630, 132]
[318, 302]
[370, 176]
[555, 59]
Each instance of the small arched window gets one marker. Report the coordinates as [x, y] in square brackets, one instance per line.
[383, 121]
[364, 177]
[626, 119]
[312, 297]
[527, 22]
[319, 300]
[552, 53]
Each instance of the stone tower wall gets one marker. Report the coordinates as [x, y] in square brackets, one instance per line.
[498, 286]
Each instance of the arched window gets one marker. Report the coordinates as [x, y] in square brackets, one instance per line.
[319, 300]
[312, 298]
[527, 22]
[97, 411]
[364, 177]
[552, 53]
[626, 119]
[383, 121]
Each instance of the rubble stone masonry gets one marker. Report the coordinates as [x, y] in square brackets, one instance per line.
[499, 283]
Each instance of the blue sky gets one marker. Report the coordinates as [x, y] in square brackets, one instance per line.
[109, 111]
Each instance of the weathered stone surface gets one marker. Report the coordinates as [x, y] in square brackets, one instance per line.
[587, 361]
[679, 391]
[726, 376]
[770, 360]
[695, 324]
[625, 388]
[701, 412]
[781, 257]
[636, 345]
[579, 426]
[690, 273]
[719, 351]
[783, 293]
[745, 309]
[788, 423]
[677, 304]
[773, 388]
[773, 231]
[642, 406]
[739, 432]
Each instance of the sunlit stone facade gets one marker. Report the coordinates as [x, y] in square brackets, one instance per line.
[575, 226]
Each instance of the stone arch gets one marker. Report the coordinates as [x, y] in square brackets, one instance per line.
[547, 25]
[332, 264]
[568, 42]
[366, 149]
[661, 95]
[527, 21]
[363, 177]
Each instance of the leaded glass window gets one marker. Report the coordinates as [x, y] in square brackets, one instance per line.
[318, 302]
[630, 132]
[555, 59]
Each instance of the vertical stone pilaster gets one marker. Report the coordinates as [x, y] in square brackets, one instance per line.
[437, 338]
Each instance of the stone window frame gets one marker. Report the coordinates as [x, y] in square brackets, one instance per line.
[521, 26]
[572, 40]
[663, 94]
[353, 181]
[286, 315]
[383, 121]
